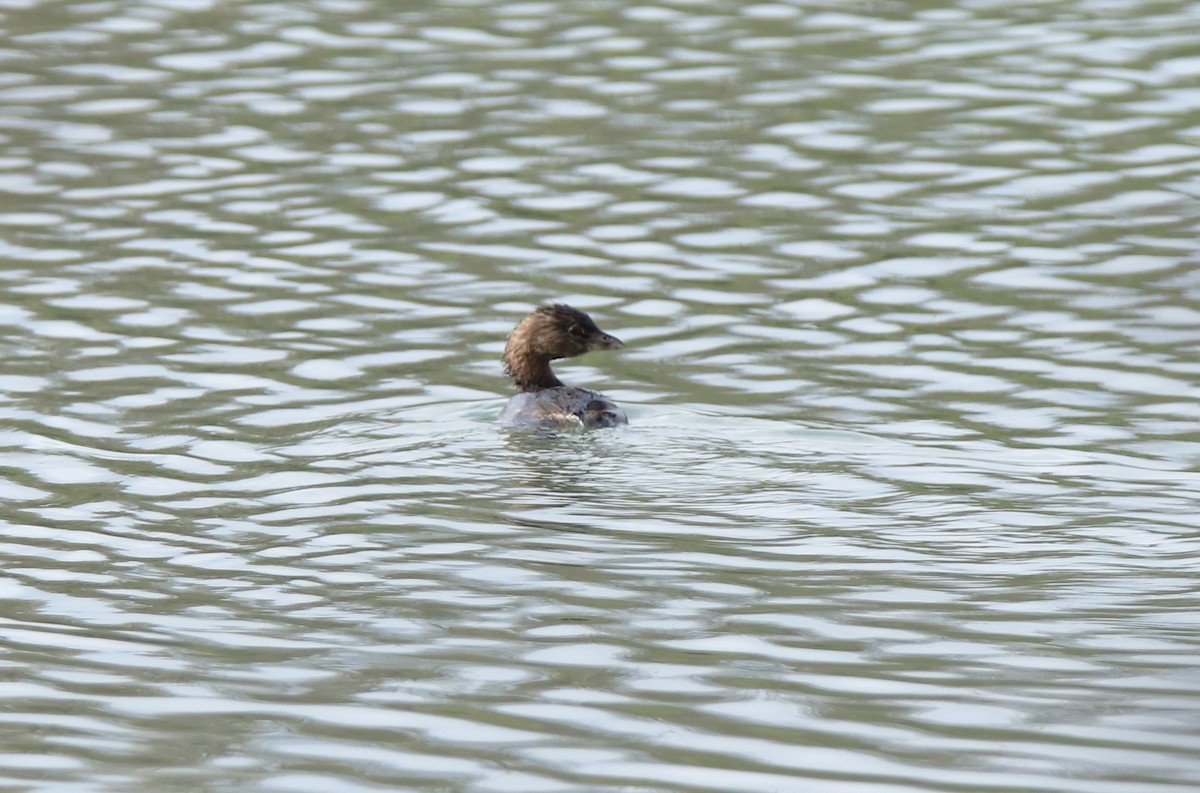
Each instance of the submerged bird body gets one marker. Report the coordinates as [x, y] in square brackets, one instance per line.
[547, 334]
[562, 407]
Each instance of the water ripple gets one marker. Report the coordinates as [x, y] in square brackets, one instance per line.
[910, 304]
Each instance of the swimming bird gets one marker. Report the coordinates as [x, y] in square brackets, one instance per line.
[546, 334]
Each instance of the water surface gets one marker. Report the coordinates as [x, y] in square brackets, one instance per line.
[908, 498]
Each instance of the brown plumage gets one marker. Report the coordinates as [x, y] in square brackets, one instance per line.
[545, 335]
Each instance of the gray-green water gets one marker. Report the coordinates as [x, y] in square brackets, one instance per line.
[910, 496]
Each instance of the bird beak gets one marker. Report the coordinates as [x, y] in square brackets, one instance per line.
[606, 342]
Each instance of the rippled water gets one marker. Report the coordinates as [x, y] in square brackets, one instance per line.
[909, 497]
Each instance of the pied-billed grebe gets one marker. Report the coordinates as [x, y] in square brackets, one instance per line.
[549, 333]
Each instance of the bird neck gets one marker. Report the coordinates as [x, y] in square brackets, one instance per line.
[531, 372]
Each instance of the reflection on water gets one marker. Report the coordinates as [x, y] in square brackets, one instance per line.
[907, 501]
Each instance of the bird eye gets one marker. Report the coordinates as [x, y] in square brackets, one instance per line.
[576, 331]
